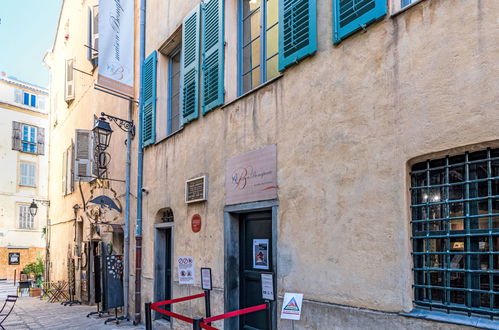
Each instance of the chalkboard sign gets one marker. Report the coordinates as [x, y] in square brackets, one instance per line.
[112, 281]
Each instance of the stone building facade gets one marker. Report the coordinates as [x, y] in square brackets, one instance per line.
[24, 162]
[344, 115]
[80, 226]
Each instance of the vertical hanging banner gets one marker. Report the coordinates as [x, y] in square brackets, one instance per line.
[116, 34]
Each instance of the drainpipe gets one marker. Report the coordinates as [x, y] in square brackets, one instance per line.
[126, 252]
[140, 159]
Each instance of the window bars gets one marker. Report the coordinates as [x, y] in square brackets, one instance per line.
[455, 226]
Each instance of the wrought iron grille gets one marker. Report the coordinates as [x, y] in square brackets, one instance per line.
[455, 227]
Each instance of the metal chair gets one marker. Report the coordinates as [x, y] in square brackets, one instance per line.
[10, 301]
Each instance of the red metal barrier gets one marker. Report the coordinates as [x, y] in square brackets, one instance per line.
[235, 313]
[154, 306]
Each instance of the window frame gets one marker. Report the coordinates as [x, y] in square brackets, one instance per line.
[428, 213]
[169, 128]
[27, 184]
[22, 223]
[396, 6]
[263, 46]
[28, 142]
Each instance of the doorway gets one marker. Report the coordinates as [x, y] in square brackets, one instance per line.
[250, 250]
[163, 266]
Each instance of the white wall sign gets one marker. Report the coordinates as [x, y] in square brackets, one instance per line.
[206, 278]
[291, 306]
[267, 287]
[261, 253]
[185, 270]
[116, 45]
[252, 176]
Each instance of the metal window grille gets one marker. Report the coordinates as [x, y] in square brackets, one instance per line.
[167, 215]
[455, 226]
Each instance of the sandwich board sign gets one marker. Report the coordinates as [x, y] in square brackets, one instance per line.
[291, 306]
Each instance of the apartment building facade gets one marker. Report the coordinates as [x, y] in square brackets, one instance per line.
[82, 224]
[24, 161]
[348, 141]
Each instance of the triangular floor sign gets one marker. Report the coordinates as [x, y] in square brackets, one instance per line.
[292, 305]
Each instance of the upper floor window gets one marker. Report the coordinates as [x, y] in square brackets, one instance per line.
[405, 3]
[27, 177]
[259, 44]
[69, 91]
[26, 220]
[174, 120]
[28, 138]
[455, 233]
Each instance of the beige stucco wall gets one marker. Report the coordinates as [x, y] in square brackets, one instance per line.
[12, 193]
[347, 122]
[65, 118]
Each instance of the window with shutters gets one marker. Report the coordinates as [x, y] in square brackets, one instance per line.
[28, 138]
[93, 33]
[26, 98]
[455, 233]
[68, 170]
[174, 119]
[26, 220]
[69, 92]
[149, 96]
[27, 173]
[259, 47]
[84, 156]
[350, 16]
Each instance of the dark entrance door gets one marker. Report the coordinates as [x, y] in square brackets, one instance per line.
[163, 267]
[255, 258]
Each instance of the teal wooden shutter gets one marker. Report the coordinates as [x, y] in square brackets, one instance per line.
[212, 54]
[189, 71]
[297, 31]
[149, 99]
[350, 16]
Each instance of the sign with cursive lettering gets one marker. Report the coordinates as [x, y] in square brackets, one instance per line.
[116, 32]
[252, 176]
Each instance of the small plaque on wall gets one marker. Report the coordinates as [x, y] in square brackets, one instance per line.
[195, 189]
[14, 258]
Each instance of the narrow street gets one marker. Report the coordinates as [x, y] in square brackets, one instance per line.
[33, 313]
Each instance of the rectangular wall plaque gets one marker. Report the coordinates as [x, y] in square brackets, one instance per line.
[195, 189]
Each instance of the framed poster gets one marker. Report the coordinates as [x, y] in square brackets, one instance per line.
[14, 258]
[261, 253]
[206, 278]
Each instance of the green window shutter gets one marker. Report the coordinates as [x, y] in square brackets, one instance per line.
[212, 54]
[350, 16]
[297, 31]
[149, 99]
[189, 71]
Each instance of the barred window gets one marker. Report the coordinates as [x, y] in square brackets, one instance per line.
[455, 226]
[26, 220]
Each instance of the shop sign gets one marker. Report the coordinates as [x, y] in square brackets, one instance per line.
[252, 176]
[291, 306]
[14, 258]
[116, 45]
[195, 189]
[185, 270]
[206, 283]
[196, 223]
[267, 286]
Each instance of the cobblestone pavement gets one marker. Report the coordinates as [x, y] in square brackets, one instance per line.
[33, 313]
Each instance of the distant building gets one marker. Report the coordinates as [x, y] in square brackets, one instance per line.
[24, 173]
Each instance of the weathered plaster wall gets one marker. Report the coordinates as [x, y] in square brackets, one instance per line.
[27, 256]
[346, 122]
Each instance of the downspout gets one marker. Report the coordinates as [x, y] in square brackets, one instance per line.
[140, 159]
[126, 252]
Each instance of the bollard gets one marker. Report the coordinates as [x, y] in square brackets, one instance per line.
[196, 324]
[15, 275]
[148, 316]
[207, 304]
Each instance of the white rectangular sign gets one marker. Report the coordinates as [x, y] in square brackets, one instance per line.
[267, 286]
[116, 45]
[206, 278]
[185, 270]
[291, 306]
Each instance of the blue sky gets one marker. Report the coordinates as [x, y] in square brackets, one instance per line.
[27, 30]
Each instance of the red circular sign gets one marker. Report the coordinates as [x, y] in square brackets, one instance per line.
[196, 223]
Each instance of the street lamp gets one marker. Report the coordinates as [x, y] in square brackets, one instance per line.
[102, 133]
[33, 208]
